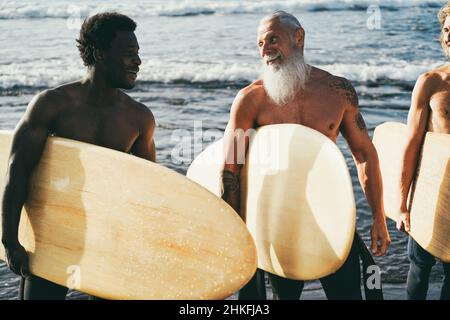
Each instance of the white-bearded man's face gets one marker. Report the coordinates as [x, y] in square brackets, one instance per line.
[283, 80]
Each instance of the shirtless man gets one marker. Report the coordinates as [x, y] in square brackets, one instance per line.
[430, 108]
[92, 110]
[292, 91]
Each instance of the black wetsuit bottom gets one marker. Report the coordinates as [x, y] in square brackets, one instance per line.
[344, 284]
[36, 288]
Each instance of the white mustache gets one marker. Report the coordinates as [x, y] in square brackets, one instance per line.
[272, 57]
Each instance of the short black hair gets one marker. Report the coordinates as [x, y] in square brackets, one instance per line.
[98, 31]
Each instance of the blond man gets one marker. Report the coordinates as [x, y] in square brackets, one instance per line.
[430, 106]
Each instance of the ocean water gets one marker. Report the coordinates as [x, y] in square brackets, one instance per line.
[197, 54]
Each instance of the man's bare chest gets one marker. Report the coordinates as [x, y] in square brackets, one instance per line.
[107, 128]
[323, 116]
[440, 115]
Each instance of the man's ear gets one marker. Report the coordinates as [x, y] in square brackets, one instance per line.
[99, 55]
[299, 37]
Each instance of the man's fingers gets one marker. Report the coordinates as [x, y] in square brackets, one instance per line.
[17, 261]
[14, 266]
[24, 268]
[407, 226]
[399, 225]
[379, 247]
[374, 245]
[384, 246]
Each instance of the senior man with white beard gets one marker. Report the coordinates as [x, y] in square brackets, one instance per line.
[292, 91]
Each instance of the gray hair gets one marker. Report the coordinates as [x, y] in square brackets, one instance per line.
[286, 19]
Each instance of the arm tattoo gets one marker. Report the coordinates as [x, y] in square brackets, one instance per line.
[230, 182]
[360, 122]
[231, 189]
[344, 88]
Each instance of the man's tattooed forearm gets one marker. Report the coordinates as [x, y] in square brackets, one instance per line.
[231, 189]
[360, 122]
[344, 87]
[230, 182]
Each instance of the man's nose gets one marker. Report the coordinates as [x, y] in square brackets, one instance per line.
[137, 60]
[265, 49]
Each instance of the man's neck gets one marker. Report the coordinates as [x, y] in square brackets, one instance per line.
[98, 87]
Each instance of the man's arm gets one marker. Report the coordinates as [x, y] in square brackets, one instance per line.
[365, 155]
[28, 143]
[417, 126]
[236, 140]
[144, 146]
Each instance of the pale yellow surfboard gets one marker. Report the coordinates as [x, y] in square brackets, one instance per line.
[120, 227]
[297, 197]
[430, 205]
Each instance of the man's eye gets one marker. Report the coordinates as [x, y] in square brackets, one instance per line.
[273, 40]
[260, 44]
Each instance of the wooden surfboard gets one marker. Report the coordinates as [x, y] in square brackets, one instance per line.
[297, 197]
[119, 227]
[430, 199]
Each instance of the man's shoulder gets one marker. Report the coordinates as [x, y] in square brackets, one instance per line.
[320, 75]
[249, 98]
[59, 96]
[330, 80]
[52, 97]
[137, 108]
[66, 90]
[252, 90]
[340, 86]
[132, 103]
[338, 81]
[47, 104]
[430, 81]
[434, 76]
[252, 94]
